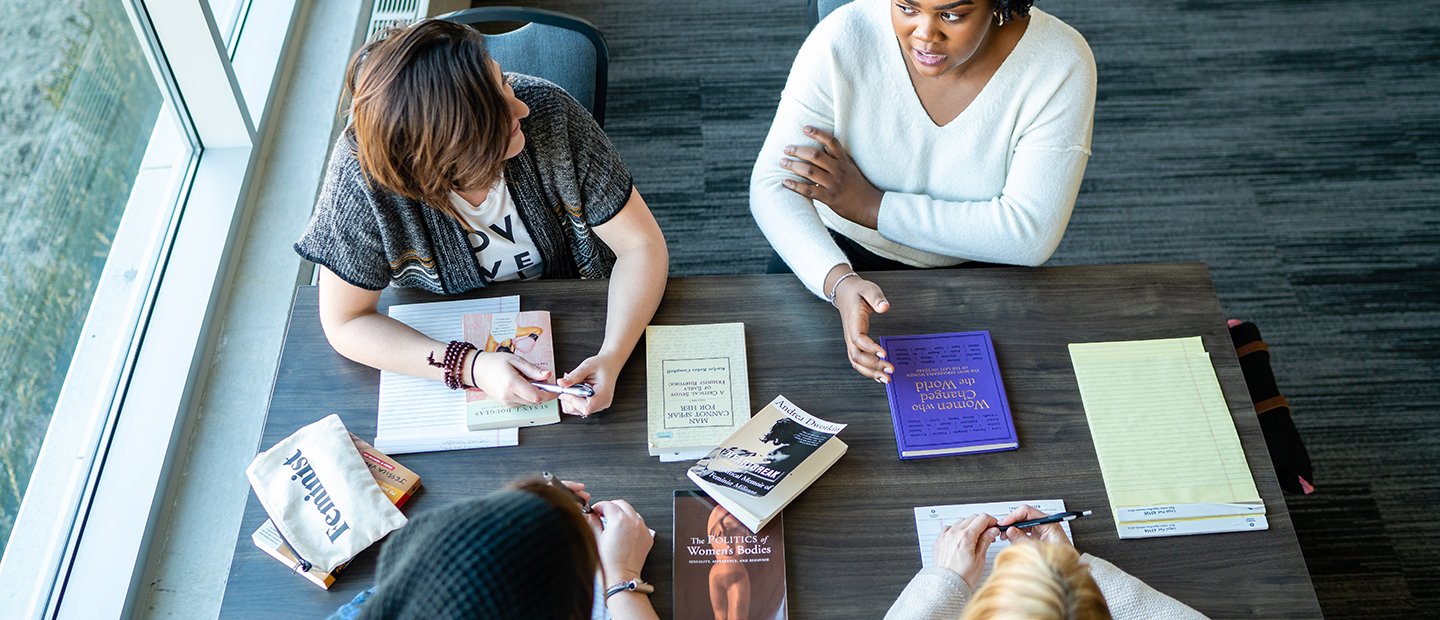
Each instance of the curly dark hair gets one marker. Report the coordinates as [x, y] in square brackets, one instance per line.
[1011, 9]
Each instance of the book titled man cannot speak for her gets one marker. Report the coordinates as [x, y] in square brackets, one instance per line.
[722, 569]
[946, 396]
[527, 336]
[699, 389]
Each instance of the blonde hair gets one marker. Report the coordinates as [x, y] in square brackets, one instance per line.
[1038, 581]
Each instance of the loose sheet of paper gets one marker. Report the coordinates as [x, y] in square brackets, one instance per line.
[1161, 427]
[931, 520]
[422, 415]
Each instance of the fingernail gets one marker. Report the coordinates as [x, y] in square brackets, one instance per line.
[809, 129]
[789, 150]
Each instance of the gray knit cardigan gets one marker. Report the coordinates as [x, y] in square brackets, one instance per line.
[568, 180]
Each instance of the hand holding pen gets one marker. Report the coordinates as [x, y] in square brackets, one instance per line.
[621, 536]
[573, 489]
[580, 389]
[1031, 523]
[595, 378]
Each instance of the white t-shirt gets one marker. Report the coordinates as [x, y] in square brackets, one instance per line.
[501, 243]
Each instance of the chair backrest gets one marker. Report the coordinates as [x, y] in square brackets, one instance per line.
[820, 8]
[564, 49]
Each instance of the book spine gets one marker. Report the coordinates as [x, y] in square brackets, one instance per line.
[893, 397]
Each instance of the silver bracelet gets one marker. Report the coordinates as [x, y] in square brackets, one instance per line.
[836, 287]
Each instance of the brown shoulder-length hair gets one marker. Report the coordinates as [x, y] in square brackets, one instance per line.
[429, 114]
[575, 583]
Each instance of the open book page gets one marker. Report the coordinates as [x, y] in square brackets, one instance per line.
[698, 387]
[931, 520]
[422, 415]
[1167, 446]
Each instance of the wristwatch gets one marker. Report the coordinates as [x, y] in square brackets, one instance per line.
[634, 585]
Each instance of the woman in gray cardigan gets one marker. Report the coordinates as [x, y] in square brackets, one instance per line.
[1040, 576]
[453, 176]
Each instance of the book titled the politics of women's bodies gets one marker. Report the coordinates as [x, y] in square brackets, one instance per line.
[722, 569]
[526, 335]
[766, 464]
[698, 387]
[946, 396]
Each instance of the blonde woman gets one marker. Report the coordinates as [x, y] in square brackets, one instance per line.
[1040, 577]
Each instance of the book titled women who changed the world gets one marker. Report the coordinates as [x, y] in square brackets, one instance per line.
[946, 396]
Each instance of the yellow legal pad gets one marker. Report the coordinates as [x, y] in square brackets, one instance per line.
[1168, 449]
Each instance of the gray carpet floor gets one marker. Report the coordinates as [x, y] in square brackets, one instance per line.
[1292, 145]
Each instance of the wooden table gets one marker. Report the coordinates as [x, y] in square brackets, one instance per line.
[850, 539]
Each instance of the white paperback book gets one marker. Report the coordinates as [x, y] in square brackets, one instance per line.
[422, 415]
[698, 388]
[756, 472]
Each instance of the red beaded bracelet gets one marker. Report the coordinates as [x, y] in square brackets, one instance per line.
[453, 362]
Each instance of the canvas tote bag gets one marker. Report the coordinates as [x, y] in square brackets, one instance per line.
[322, 498]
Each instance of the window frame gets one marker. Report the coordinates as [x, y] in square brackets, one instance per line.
[106, 461]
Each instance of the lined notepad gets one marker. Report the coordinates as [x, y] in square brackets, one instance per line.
[422, 415]
[1168, 449]
[930, 521]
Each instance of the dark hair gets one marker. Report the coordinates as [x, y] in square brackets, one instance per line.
[577, 583]
[518, 553]
[430, 117]
[1012, 9]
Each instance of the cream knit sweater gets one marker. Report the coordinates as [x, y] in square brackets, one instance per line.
[939, 594]
[996, 184]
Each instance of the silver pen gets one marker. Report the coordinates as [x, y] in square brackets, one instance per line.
[580, 389]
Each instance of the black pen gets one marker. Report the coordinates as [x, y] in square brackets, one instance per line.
[554, 481]
[1055, 518]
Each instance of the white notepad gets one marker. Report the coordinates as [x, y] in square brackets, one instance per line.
[1168, 449]
[422, 415]
[931, 520]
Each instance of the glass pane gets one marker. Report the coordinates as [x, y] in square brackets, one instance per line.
[226, 14]
[79, 105]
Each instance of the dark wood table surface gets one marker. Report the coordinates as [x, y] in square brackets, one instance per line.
[850, 540]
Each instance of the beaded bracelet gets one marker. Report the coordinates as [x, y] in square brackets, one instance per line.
[453, 362]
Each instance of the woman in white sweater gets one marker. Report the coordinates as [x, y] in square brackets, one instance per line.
[1040, 577]
[918, 134]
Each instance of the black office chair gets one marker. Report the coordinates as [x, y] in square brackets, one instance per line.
[818, 9]
[564, 49]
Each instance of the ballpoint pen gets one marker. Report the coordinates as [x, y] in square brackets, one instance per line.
[580, 389]
[1055, 518]
[554, 481]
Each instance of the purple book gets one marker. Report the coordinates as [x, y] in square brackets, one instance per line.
[946, 396]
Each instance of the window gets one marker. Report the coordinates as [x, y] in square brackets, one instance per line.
[130, 131]
[83, 108]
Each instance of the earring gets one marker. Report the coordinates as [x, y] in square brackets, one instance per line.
[999, 18]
